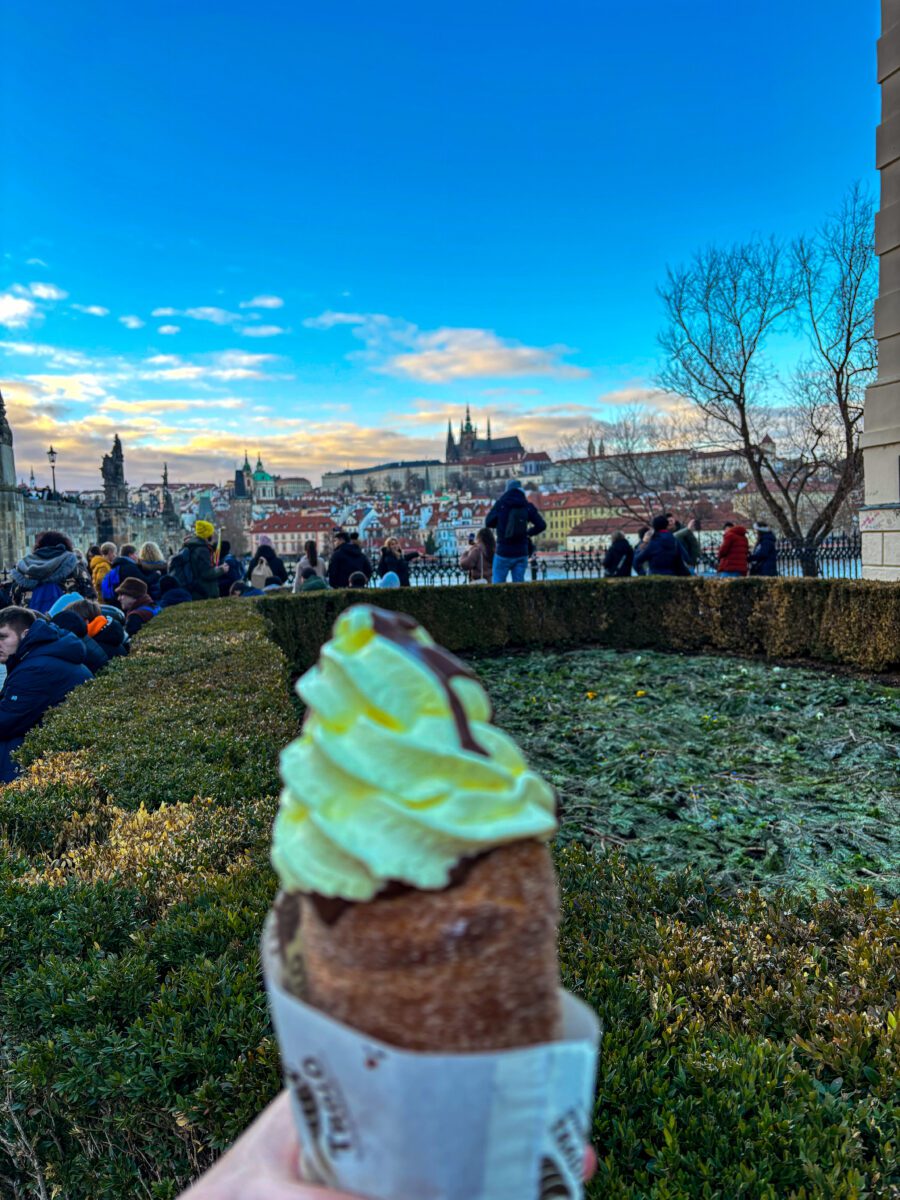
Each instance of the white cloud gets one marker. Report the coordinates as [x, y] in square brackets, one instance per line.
[47, 291]
[35, 262]
[54, 355]
[93, 310]
[132, 322]
[16, 311]
[262, 331]
[397, 347]
[216, 316]
[164, 312]
[169, 329]
[262, 302]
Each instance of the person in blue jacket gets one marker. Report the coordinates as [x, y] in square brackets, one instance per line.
[517, 521]
[43, 664]
[659, 553]
[764, 557]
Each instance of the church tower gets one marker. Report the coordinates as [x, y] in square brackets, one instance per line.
[468, 436]
[451, 454]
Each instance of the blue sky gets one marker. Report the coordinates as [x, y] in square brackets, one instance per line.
[350, 222]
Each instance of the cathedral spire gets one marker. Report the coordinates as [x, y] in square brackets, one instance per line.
[489, 433]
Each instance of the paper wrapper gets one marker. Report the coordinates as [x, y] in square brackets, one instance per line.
[395, 1124]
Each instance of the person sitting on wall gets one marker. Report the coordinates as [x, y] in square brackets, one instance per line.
[265, 562]
[243, 588]
[48, 571]
[137, 605]
[94, 655]
[311, 581]
[618, 558]
[106, 626]
[347, 559]
[43, 664]
[358, 580]
[234, 571]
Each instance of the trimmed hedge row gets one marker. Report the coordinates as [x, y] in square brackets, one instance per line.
[849, 622]
[751, 1043]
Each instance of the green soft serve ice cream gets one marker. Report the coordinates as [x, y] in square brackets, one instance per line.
[398, 774]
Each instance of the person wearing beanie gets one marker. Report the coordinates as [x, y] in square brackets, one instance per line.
[764, 558]
[171, 593]
[517, 521]
[137, 605]
[193, 565]
[62, 603]
[104, 628]
[95, 658]
[659, 553]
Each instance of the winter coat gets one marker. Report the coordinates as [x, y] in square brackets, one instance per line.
[94, 657]
[138, 618]
[477, 563]
[499, 518]
[109, 634]
[661, 555]
[733, 552]
[204, 577]
[232, 575]
[764, 558]
[618, 558]
[399, 564]
[174, 596]
[347, 558]
[99, 566]
[151, 573]
[314, 584]
[47, 665]
[690, 546]
[44, 575]
[122, 568]
[263, 567]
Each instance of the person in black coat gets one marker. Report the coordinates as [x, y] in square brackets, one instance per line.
[94, 656]
[171, 592]
[105, 626]
[618, 558]
[393, 558]
[347, 559]
[660, 554]
[517, 521]
[274, 566]
[43, 664]
[764, 557]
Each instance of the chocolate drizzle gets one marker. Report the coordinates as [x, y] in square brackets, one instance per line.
[400, 628]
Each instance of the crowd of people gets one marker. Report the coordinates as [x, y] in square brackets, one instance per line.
[64, 615]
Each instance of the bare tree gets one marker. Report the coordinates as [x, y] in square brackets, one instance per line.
[635, 464]
[720, 311]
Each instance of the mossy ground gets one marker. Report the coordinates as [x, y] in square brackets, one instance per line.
[754, 774]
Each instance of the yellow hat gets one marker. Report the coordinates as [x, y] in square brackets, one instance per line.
[204, 529]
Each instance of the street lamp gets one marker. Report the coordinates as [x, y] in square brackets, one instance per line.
[51, 454]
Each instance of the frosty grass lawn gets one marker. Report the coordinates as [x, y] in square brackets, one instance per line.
[750, 773]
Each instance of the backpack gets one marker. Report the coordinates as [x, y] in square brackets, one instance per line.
[180, 567]
[516, 524]
[261, 573]
[44, 597]
[109, 583]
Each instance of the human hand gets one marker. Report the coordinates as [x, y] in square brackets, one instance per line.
[262, 1164]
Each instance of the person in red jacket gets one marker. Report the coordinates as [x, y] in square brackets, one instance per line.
[734, 552]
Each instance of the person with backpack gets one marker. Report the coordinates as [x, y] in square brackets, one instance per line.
[137, 604]
[49, 571]
[101, 562]
[517, 521]
[193, 565]
[234, 571]
[618, 558]
[125, 566]
[265, 563]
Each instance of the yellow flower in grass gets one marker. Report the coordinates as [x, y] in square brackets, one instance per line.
[591, 695]
[640, 693]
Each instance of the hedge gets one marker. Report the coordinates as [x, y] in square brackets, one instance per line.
[853, 623]
[751, 1042]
